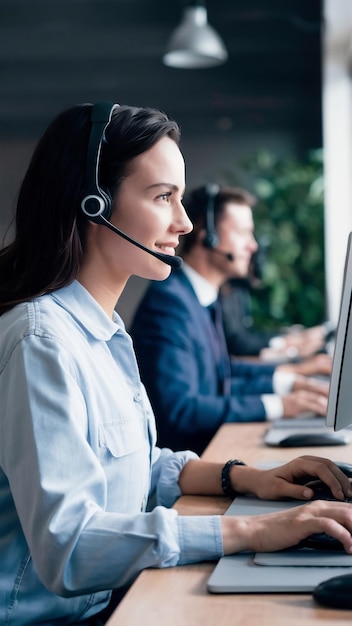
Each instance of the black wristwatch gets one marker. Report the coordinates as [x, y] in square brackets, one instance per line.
[225, 478]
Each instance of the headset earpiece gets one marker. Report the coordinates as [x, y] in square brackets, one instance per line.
[211, 239]
[96, 202]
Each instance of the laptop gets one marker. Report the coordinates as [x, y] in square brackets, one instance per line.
[297, 569]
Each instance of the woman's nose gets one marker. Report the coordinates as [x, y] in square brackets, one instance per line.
[184, 223]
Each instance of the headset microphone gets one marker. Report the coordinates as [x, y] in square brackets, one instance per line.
[228, 255]
[97, 203]
[174, 261]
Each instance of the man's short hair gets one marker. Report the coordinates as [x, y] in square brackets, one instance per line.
[196, 202]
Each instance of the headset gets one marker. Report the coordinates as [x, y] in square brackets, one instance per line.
[96, 203]
[212, 239]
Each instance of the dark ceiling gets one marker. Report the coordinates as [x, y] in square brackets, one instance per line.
[54, 53]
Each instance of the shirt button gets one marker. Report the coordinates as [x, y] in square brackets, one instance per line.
[137, 396]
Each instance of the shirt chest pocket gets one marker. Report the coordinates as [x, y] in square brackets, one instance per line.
[120, 439]
[125, 459]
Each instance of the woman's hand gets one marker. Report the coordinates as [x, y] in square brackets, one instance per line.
[284, 529]
[288, 480]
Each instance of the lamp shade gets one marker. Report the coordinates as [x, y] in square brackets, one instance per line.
[194, 44]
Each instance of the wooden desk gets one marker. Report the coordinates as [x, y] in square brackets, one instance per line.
[178, 596]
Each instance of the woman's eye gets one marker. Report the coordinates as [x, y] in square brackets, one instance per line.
[165, 196]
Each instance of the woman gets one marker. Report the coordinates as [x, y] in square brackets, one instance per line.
[85, 494]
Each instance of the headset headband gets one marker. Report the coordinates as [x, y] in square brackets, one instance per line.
[211, 239]
[95, 201]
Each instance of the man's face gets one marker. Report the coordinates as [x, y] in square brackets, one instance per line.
[236, 233]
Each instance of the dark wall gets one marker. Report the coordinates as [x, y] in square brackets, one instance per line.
[267, 95]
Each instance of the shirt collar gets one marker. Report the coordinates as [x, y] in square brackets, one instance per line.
[204, 290]
[75, 299]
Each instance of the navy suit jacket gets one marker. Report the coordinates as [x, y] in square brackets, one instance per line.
[174, 341]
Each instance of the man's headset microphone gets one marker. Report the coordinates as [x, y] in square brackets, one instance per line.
[97, 203]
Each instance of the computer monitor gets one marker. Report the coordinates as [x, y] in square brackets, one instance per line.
[339, 411]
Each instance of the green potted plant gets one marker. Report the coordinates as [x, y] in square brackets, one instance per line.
[289, 224]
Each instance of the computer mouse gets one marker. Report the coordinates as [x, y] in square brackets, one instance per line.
[312, 439]
[335, 592]
[346, 468]
[321, 541]
[322, 491]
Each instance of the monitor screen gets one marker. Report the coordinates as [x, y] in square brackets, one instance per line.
[339, 412]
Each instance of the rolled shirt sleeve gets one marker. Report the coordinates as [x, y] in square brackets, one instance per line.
[77, 463]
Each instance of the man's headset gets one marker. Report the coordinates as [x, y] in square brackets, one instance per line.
[212, 239]
[96, 203]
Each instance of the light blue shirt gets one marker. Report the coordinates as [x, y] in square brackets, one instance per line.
[85, 494]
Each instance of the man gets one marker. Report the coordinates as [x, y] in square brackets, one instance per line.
[244, 339]
[192, 383]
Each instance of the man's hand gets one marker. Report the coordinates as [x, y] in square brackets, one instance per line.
[302, 401]
[318, 365]
[307, 341]
[309, 383]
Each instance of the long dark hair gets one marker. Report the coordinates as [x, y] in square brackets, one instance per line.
[50, 226]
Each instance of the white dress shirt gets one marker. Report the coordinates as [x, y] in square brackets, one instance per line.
[282, 381]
